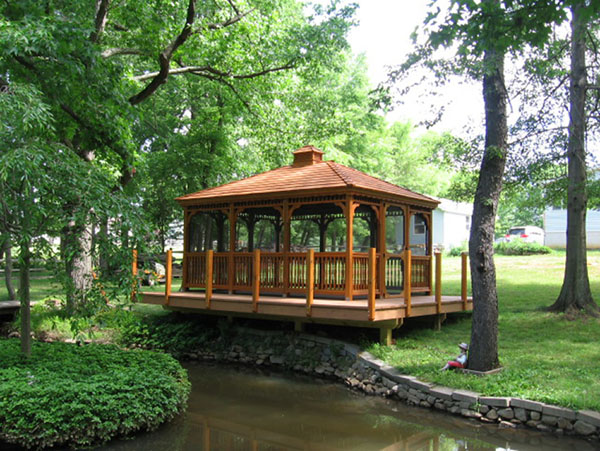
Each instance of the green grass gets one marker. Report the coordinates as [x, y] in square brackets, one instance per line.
[42, 286]
[547, 357]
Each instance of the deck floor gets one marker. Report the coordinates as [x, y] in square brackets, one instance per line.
[323, 310]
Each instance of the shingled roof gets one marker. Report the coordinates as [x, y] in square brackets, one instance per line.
[308, 175]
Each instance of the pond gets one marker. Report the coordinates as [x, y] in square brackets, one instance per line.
[237, 408]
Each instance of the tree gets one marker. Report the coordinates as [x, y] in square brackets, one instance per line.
[484, 33]
[575, 294]
[97, 67]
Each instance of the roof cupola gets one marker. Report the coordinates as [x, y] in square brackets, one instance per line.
[306, 156]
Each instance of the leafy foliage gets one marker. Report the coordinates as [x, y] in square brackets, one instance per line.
[520, 247]
[66, 395]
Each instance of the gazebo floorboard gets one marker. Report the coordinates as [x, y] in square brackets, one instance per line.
[326, 311]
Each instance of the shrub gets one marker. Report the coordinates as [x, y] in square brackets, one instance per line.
[67, 395]
[171, 333]
[520, 247]
[457, 250]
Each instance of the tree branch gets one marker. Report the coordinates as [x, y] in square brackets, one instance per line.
[593, 87]
[239, 16]
[120, 51]
[212, 73]
[100, 21]
[164, 59]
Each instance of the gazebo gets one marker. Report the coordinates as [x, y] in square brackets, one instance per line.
[315, 232]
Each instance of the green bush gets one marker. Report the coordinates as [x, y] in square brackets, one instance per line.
[171, 333]
[457, 250]
[67, 395]
[520, 247]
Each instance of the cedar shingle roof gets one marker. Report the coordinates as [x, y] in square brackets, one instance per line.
[307, 173]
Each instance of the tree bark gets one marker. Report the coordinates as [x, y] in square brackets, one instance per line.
[575, 294]
[24, 298]
[8, 266]
[77, 252]
[483, 352]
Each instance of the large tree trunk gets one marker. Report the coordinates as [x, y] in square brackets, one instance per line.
[25, 307]
[8, 266]
[77, 252]
[483, 353]
[575, 294]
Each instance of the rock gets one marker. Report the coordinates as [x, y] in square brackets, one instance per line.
[507, 414]
[424, 403]
[470, 413]
[260, 361]
[276, 360]
[564, 424]
[439, 406]
[583, 428]
[549, 420]
[492, 414]
[532, 423]
[590, 417]
[536, 416]
[14, 334]
[520, 414]
[454, 409]
[507, 425]
[544, 427]
[319, 370]
[483, 409]
[495, 401]
[431, 399]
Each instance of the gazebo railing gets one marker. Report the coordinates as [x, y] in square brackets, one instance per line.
[329, 272]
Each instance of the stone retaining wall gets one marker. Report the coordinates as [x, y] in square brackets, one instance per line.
[362, 371]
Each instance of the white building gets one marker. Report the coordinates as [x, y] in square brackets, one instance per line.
[555, 226]
[451, 224]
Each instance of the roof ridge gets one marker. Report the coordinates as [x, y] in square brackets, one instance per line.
[346, 180]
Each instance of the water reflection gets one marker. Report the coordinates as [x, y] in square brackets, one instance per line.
[243, 409]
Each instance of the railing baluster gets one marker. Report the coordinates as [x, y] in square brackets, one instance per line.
[310, 280]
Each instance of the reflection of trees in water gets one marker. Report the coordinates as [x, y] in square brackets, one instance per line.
[239, 408]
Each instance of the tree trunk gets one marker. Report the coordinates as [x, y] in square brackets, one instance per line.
[8, 266]
[575, 294]
[77, 251]
[483, 353]
[102, 242]
[25, 308]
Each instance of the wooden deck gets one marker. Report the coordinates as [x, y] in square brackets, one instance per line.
[389, 313]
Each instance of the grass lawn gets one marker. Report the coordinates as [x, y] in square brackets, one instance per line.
[546, 357]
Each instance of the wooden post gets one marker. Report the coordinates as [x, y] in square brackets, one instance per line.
[382, 250]
[286, 246]
[209, 277]
[168, 275]
[407, 281]
[438, 282]
[372, 280]
[134, 273]
[349, 248]
[310, 280]
[463, 280]
[231, 256]
[255, 280]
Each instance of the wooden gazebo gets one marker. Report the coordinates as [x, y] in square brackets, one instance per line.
[312, 232]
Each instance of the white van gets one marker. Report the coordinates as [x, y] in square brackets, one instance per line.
[529, 234]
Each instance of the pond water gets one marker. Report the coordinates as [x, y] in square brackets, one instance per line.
[233, 408]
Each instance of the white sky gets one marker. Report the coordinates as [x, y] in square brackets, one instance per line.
[383, 35]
